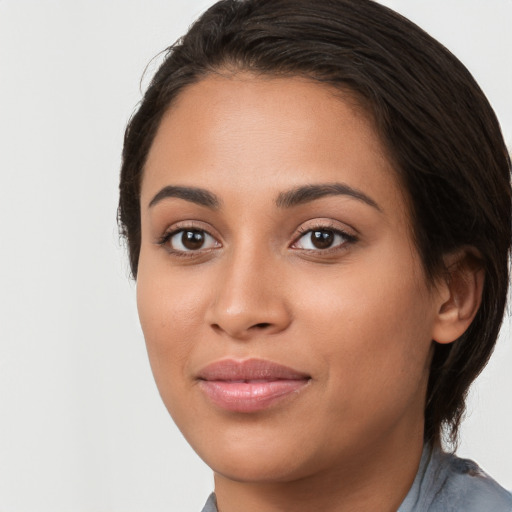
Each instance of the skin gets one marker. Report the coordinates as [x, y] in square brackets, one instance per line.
[358, 318]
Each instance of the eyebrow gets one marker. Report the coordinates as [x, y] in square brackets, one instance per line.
[307, 193]
[196, 195]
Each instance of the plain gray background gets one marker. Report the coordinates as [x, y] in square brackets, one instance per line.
[81, 424]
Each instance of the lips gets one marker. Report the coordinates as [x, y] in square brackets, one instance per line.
[251, 385]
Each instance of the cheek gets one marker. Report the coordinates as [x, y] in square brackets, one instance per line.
[374, 346]
[168, 312]
[372, 327]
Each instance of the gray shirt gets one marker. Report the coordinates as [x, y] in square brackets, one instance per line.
[445, 483]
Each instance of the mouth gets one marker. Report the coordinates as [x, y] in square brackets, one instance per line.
[251, 385]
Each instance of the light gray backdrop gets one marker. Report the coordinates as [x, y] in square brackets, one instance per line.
[81, 424]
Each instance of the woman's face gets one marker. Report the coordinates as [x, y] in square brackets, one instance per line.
[285, 310]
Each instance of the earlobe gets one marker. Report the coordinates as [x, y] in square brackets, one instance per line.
[460, 294]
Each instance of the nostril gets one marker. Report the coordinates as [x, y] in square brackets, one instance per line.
[262, 325]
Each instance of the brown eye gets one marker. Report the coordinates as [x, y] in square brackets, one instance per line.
[187, 240]
[192, 240]
[322, 239]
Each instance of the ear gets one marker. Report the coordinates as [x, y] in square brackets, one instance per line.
[460, 294]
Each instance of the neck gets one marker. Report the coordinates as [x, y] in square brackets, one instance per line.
[377, 477]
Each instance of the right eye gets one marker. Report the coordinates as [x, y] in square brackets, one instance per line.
[189, 240]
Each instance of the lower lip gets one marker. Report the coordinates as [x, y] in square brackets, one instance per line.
[252, 396]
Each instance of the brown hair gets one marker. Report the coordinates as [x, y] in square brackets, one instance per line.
[439, 128]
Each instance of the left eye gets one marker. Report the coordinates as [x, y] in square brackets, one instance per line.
[187, 240]
[318, 239]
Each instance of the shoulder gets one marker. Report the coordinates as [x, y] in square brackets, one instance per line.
[474, 489]
[446, 483]
[211, 504]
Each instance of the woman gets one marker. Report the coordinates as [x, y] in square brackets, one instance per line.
[316, 197]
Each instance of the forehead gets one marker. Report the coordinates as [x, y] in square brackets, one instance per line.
[255, 134]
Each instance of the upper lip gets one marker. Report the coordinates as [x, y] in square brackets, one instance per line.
[249, 369]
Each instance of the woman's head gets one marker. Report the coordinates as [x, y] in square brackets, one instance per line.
[435, 128]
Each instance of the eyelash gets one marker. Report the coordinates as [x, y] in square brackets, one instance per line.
[348, 238]
[303, 231]
[166, 238]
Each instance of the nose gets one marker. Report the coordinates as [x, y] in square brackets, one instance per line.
[250, 298]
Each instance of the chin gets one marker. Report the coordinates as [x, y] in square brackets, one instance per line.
[247, 468]
[260, 455]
